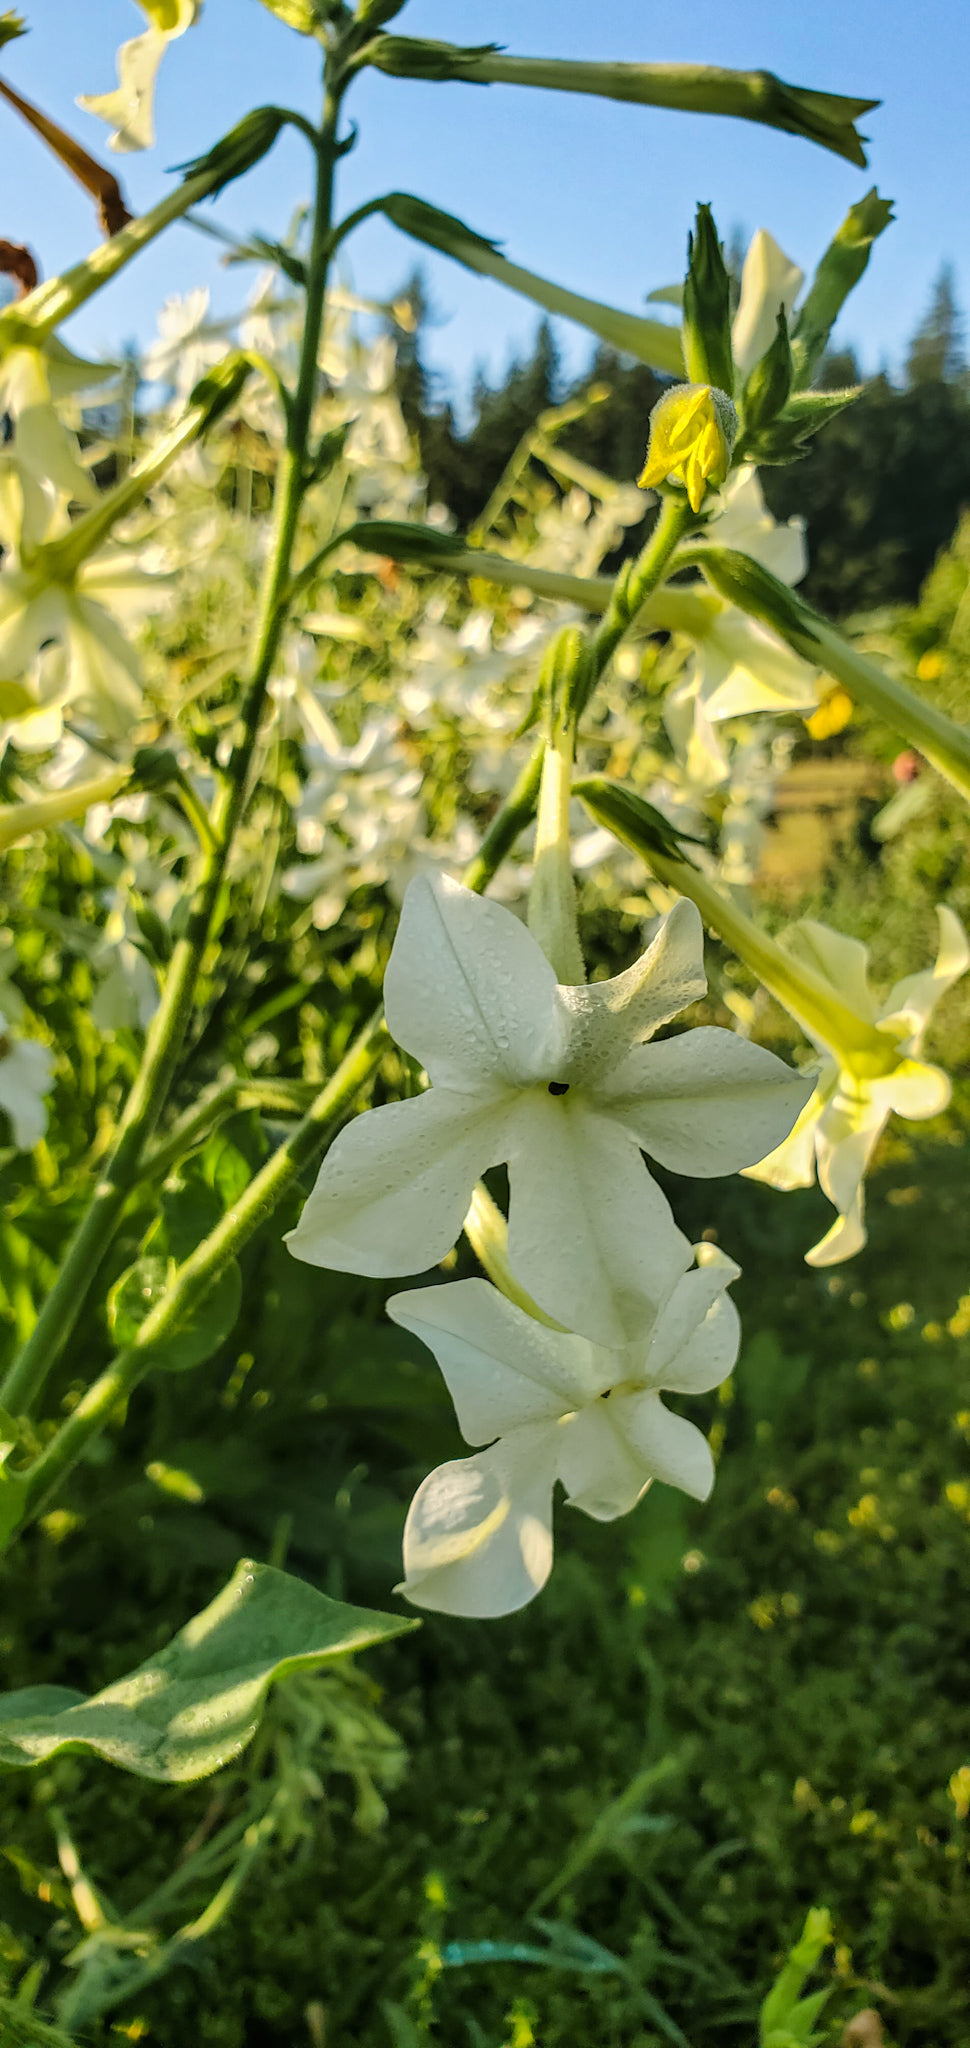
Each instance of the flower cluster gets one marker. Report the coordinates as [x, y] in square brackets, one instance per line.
[568, 1086]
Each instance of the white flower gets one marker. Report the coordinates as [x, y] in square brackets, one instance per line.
[26, 1076]
[188, 343]
[100, 668]
[33, 380]
[860, 1086]
[478, 1537]
[558, 1082]
[130, 109]
[769, 281]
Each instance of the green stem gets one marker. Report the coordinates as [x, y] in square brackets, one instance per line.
[510, 819]
[166, 1036]
[200, 1272]
[635, 583]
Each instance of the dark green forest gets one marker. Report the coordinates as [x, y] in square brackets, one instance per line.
[882, 489]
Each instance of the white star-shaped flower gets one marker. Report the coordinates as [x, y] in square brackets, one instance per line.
[559, 1083]
[859, 1086]
[551, 1406]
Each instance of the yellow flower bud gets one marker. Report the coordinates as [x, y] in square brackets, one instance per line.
[693, 429]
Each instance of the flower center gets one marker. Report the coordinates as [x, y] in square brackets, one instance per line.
[559, 1087]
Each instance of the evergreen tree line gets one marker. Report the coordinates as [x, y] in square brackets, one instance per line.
[881, 489]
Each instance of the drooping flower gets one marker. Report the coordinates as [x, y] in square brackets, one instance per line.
[26, 1075]
[860, 1086]
[558, 1082]
[34, 380]
[551, 1406]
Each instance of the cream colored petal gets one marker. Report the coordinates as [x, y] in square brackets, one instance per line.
[706, 1102]
[503, 1369]
[130, 108]
[769, 280]
[914, 999]
[605, 1018]
[478, 1536]
[842, 962]
[393, 1191]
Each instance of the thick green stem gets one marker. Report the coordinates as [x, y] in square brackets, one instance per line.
[166, 1036]
[200, 1272]
[634, 585]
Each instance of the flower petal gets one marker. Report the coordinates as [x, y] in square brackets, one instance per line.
[706, 1102]
[600, 1470]
[668, 1447]
[591, 1236]
[478, 1537]
[694, 1341]
[394, 1188]
[915, 1090]
[915, 997]
[468, 991]
[792, 1163]
[606, 1017]
[842, 962]
[502, 1368]
[769, 280]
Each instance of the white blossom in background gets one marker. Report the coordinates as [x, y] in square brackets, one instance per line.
[34, 381]
[460, 672]
[858, 1089]
[552, 1407]
[358, 816]
[574, 532]
[188, 344]
[26, 1076]
[558, 1082]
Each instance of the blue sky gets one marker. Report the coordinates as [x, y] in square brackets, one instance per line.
[596, 195]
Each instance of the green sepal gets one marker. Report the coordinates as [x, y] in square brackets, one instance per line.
[328, 452]
[706, 331]
[641, 827]
[238, 151]
[838, 273]
[12, 25]
[769, 384]
[786, 438]
[196, 1704]
[373, 13]
[421, 57]
[431, 224]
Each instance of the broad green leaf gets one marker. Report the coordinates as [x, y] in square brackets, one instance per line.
[196, 1704]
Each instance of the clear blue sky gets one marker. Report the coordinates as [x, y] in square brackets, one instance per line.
[596, 195]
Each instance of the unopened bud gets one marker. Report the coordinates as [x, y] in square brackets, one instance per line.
[706, 332]
[693, 429]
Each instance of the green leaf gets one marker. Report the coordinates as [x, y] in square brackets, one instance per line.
[196, 1704]
[204, 1326]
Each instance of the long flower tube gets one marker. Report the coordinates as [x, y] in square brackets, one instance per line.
[43, 813]
[752, 587]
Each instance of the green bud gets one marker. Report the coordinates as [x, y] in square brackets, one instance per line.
[12, 25]
[308, 17]
[838, 273]
[404, 542]
[562, 673]
[706, 329]
[631, 818]
[154, 768]
[220, 387]
[751, 586]
[374, 13]
[419, 57]
[769, 383]
[238, 151]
